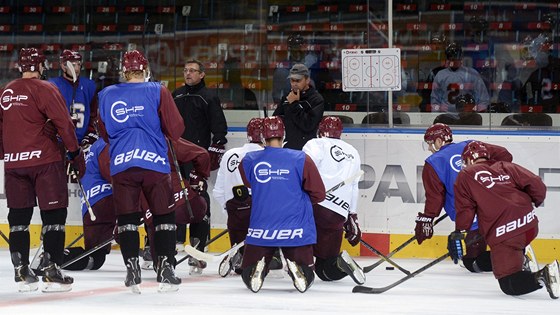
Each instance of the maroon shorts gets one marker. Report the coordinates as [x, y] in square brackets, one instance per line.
[156, 186]
[46, 183]
[102, 229]
[301, 255]
[330, 226]
[239, 216]
[508, 256]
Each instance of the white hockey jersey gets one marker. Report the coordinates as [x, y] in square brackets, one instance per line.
[336, 161]
[228, 174]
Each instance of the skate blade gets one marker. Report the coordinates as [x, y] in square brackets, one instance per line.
[257, 279]
[53, 287]
[135, 288]
[27, 287]
[356, 274]
[168, 287]
[225, 267]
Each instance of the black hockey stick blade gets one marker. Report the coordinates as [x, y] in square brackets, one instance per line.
[370, 290]
[398, 249]
[385, 258]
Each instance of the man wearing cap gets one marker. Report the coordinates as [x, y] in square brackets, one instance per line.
[301, 110]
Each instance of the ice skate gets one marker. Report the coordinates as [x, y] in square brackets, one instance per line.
[133, 275]
[348, 265]
[25, 279]
[168, 281]
[530, 260]
[196, 266]
[230, 263]
[253, 277]
[302, 280]
[549, 276]
[53, 278]
[148, 262]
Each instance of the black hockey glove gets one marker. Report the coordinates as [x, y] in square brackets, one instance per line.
[424, 227]
[455, 246]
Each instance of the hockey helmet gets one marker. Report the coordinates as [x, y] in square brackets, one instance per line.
[453, 52]
[30, 59]
[273, 127]
[438, 131]
[474, 150]
[255, 130]
[465, 103]
[70, 55]
[134, 61]
[330, 127]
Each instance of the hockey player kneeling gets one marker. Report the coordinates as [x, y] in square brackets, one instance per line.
[285, 183]
[502, 195]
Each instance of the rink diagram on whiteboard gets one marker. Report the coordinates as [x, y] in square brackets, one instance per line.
[372, 69]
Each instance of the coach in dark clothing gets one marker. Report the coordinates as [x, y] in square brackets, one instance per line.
[205, 125]
[302, 109]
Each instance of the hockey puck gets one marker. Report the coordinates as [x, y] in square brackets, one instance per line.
[389, 268]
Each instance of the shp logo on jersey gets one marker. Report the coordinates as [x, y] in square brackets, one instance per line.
[486, 179]
[339, 155]
[121, 111]
[8, 99]
[264, 173]
[233, 163]
[456, 162]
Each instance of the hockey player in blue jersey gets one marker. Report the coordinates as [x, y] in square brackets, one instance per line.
[438, 176]
[135, 118]
[285, 183]
[80, 96]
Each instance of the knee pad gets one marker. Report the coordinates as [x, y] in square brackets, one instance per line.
[54, 217]
[470, 264]
[327, 269]
[20, 217]
[98, 259]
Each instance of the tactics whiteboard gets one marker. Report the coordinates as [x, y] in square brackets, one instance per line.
[371, 69]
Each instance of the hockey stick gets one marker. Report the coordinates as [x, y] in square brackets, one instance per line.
[88, 205]
[364, 289]
[183, 187]
[222, 233]
[398, 249]
[347, 181]
[209, 257]
[5, 237]
[75, 241]
[86, 253]
[385, 258]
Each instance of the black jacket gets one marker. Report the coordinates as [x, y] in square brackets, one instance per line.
[202, 112]
[301, 118]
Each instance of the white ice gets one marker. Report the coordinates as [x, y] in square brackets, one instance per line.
[444, 289]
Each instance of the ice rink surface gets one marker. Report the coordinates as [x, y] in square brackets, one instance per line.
[444, 289]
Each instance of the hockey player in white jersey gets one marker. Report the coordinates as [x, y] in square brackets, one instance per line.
[335, 160]
[233, 196]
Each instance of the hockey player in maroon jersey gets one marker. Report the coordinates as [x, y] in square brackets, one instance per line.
[34, 170]
[136, 118]
[503, 195]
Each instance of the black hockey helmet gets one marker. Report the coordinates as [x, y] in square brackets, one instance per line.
[454, 51]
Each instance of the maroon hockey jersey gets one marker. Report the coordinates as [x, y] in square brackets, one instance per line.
[26, 106]
[502, 195]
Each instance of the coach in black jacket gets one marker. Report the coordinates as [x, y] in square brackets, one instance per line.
[302, 109]
[205, 125]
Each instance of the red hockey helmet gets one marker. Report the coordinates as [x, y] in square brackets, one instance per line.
[273, 127]
[70, 55]
[330, 127]
[438, 131]
[30, 59]
[134, 61]
[255, 130]
[474, 150]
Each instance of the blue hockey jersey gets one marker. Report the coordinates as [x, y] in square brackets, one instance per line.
[95, 186]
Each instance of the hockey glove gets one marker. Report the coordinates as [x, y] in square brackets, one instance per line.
[77, 162]
[424, 227]
[49, 130]
[216, 152]
[240, 192]
[455, 246]
[352, 228]
[197, 182]
[88, 140]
